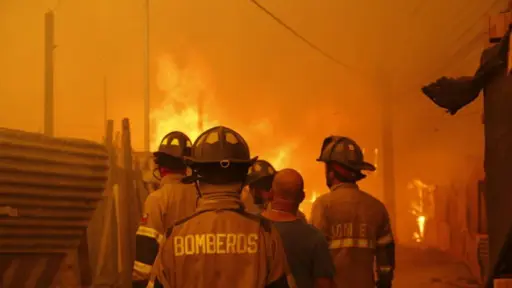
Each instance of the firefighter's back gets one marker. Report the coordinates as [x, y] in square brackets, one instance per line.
[180, 201]
[353, 222]
[220, 248]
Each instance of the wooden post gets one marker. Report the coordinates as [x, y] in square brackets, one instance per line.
[126, 231]
[83, 262]
[106, 271]
[105, 102]
[49, 46]
[147, 87]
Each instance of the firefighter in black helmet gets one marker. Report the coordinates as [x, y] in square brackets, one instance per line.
[257, 194]
[221, 245]
[355, 223]
[171, 202]
[259, 181]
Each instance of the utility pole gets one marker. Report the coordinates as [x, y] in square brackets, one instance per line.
[200, 106]
[384, 84]
[146, 79]
[49, 46]
[105, 102]
[388, 157]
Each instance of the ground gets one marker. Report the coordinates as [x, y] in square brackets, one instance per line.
[418, 268]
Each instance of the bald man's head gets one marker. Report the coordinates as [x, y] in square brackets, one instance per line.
[288, 185]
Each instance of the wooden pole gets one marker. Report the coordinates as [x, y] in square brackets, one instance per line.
[126, 231]
[105, 103]
[49, 46]
[146, 80]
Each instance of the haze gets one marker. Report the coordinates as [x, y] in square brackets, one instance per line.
[258, 72]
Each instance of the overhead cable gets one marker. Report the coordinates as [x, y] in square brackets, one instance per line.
[298, 35]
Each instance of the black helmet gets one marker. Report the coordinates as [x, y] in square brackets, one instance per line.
[220, 145]
[175, 144]
[344, 151]
[261, 169]
[219, 156]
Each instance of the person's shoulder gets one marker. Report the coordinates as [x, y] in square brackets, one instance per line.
[266, 223]
[373, 200]
[322, 199]
[155, 196]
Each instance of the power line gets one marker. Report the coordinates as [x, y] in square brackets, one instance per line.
[459, 53]
[298, 35]
[464, 30]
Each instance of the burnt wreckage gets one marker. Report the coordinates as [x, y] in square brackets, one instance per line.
[494, 78]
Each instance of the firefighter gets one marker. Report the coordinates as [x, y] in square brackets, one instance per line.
[355, 223]
[259, 182]
[171, 202]
[256, 195]
[222, 245]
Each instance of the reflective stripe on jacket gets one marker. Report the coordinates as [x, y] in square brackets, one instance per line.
[357, 227]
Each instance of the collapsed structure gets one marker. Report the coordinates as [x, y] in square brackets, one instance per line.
[494, 78]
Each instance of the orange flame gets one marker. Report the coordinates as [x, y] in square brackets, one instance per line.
[419, 208]
[189, 105]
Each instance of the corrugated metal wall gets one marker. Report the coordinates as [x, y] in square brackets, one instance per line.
[49, 189]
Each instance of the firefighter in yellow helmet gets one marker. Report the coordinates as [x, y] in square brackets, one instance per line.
[171, 202]
[355, 223]
[221, 245]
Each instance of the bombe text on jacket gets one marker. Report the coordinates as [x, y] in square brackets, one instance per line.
[219, 243]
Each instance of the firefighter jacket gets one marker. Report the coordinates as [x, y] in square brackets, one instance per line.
[358, 230]
[172, 202]
[222, 245]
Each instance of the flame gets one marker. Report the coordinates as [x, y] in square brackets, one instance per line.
[179, 111]
[189, 106]
[419, 208]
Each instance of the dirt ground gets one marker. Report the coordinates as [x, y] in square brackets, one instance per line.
[418, 268]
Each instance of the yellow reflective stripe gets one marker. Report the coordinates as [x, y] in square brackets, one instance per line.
[151, 284]
[385, 269]
[143, 269]
[151, 233]
[350, 243]
[385, 240]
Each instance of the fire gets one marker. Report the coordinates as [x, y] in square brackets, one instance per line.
[423, 208]
[189, 106]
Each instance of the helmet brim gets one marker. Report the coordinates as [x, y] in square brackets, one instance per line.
[364, 166]
[251, 180]
[190, 161]
[189, 179]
